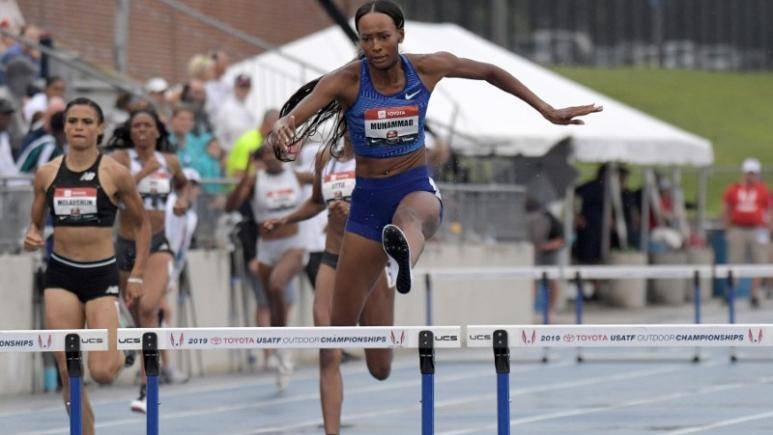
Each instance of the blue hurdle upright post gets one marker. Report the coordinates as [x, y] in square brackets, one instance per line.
[545, 289]
[502, 365]
[150, 357]
[696, 285]
[578, 306]
[731, 307]
[427, 367]
[72, 349]
[428, 284]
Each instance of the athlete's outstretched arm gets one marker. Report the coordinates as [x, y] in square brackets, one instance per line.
[330, 87]
[443, 64]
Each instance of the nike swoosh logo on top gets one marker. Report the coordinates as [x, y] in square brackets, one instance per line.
[409, 96]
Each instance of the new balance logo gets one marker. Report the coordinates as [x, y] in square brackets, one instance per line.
[88, 176]
[112, 290]
[409, 96]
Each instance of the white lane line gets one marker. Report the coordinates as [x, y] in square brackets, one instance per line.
[191, 389]
[723, 423]
[597, 409]
[297, 398]
[472, 399]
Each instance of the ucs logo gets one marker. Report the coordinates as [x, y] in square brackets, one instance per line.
[129, 340]
[529, 339]
[446, 338]
[45, 343]
[176, 343]
[397, 339]
[757, 339]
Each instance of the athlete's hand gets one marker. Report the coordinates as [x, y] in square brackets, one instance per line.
[33, 239]
[272, 224]
[567, 115]
[283, 132]
[339, 209]
[133, 293]
[180, 206]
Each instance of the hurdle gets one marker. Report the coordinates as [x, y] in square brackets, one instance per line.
[501, 338]
[70, 341]
[426, 340]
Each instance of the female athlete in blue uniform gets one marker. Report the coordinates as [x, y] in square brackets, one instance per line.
[383, 98]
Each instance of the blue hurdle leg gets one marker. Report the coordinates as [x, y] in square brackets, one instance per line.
[502, 365]
[72, 351]
[427, 404]
[76, 410]
[150, 357]
[427, 368]
[152, 412]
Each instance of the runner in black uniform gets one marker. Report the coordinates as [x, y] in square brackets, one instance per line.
[81, 191]
[157, 174]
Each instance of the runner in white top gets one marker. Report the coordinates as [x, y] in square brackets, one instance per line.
[332, 190]
[275, 190]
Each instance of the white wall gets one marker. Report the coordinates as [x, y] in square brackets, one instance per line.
[456, 301]
[16, 369]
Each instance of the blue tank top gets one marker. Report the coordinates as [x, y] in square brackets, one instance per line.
[383, 126]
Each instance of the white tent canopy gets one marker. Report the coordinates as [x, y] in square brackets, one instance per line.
[483, 119]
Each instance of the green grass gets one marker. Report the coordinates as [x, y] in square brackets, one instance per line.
[733, 110]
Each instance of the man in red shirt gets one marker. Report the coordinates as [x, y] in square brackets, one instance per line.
[746, 221]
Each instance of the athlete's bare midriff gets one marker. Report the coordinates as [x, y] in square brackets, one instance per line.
[84, 243]
[157, 223]
[369, 167]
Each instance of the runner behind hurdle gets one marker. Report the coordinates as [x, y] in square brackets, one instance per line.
[332, 189]
[81, 191]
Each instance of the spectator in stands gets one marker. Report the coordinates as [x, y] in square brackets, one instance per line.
[589, 221]
[119, 114]
[156, 89]
[187, 145]
[217, 87]
[210, 164]
[247, 143]
[39, 128]
[47, 146]
[55, 87]
[19, 51]
[194, 96]
[746, 221]
[547, 236]
[7, 165]
[234, 117]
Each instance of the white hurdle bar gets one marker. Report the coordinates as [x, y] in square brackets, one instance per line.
[70, 341]
[425, 339]
[503, 337]
[731, 272]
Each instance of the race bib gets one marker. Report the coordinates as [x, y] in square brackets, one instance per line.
[338, 186]
[281, 199]
[392, 125]
[75, 201]
[157, 183]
